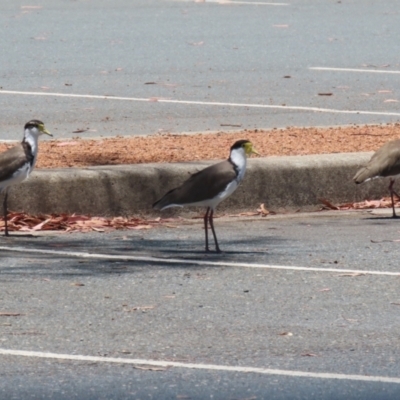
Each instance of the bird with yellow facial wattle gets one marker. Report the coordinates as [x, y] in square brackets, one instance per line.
[210, 186]
[17, 163]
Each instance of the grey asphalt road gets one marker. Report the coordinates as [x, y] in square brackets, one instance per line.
[175, 308]
[195, 51]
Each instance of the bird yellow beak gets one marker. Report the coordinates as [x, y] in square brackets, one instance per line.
[253, 151]
[250, 149]
[44, 130]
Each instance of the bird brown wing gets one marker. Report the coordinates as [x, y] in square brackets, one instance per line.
[384, 162]
[203, 185]
[13, 159]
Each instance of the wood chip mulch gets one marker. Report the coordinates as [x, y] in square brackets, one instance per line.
[210, 146]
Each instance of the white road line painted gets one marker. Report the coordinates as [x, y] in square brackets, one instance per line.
[251, 3]
[210, 367]
[202, 103]
[72, 95]
[102, 256]
[374, 71]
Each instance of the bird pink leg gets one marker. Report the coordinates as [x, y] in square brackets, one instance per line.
[206, 227]
[5, 214]
[391, 196]
[218, 250]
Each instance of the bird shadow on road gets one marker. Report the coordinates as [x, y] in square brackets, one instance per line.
[383, 218]
[58, 263]
[212, 252]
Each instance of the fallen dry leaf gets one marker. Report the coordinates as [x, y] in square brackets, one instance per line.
[233, 125]
[140, 308]
[80, 130]
[385, 202]
[243, 214]
[38, 227]
[77, 284]
[196, 43]
[98, 229]
[262, 210]
[69, 143]
[352, 320]
[76, 223]
[34, 333]
[150, 368]
[328, 204]
[9, 314]
[140, 227]
[384, 241]
[246, 214]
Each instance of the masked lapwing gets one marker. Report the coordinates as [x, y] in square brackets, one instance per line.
[18, 162]
[210, 186]
[384, 163]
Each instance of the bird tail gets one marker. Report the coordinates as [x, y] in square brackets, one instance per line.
[166, 201]
[159, 204]
[362, 175]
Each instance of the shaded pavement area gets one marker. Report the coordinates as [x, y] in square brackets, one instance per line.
[339, 322]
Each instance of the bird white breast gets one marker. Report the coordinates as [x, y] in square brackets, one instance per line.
[32, 139]
[238, 157]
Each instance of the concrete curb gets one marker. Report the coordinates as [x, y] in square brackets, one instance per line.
[289, 182]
